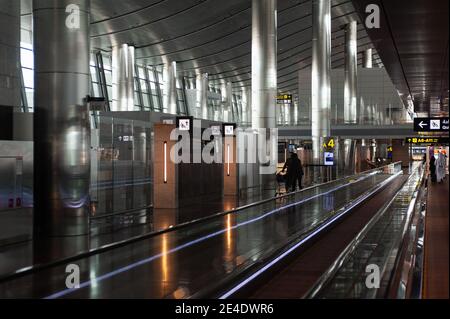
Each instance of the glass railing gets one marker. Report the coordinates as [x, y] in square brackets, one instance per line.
[368, 267]
[121, 176]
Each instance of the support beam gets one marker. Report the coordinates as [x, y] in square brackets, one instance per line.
[61, 120]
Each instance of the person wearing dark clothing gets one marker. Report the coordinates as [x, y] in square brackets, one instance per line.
[294, 172]
[433, 168]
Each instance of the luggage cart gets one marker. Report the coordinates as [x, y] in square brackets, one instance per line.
[281, 184]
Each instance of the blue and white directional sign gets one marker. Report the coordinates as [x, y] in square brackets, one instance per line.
[431, 124]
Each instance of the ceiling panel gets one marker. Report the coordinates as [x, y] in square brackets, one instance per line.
[214, 36]
[413, 43]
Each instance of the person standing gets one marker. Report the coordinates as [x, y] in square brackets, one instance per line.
[433, 168]
[294, 172]
[440, 167]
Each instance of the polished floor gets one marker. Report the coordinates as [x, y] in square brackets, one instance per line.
[104, 231]
[436, 282]
[191, 261]
[18, 251]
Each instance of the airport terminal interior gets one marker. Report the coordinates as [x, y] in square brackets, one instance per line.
[211, 149]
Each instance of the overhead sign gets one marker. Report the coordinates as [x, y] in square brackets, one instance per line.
[228, 129]
[431, 124]
[284, 99]
[328, 143]
[426, 140]
[185, 123]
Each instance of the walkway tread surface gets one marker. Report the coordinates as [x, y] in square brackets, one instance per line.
[436, 270]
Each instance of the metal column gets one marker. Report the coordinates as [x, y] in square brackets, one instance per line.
[264, 83]
[351, 64]
[264, 63]
[61, 119]
[320, 79]
[123, 78]
[368, 108]
[170, 88]
[367, 62]
[229, 103]
[10, 72]
[202, 95]
[246, 106]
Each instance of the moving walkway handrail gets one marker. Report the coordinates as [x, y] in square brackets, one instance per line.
[346, 253]
[222, 289]
[401, 266]
[34, 268]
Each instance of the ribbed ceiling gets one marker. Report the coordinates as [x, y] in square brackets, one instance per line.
[214, 36]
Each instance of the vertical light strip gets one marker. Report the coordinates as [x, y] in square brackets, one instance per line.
[228, 159]
[165, 162]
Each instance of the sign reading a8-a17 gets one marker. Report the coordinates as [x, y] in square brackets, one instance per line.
[431, 124]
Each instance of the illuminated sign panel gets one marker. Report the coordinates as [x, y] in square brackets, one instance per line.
[431, 124]
[426, 140]
[185, 123]
[284, 99]
[229, 129]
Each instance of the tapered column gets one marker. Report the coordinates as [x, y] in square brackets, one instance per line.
[320, 78]
[170, 88]
[367, 59]
[351, 64]
[368, 115]
[264, 63]
[61, 122]
[202, 95]
[10, 53]
[246, 106]
[229, 103]
[264, 85]
[123, 73]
